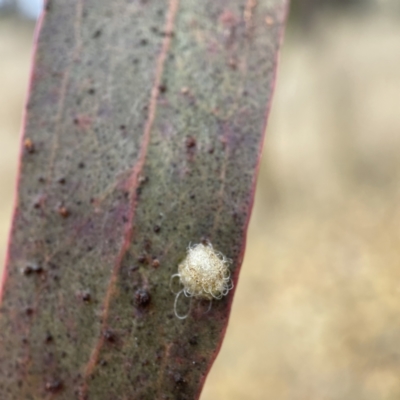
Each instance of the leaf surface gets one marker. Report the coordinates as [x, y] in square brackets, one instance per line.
[143, 130]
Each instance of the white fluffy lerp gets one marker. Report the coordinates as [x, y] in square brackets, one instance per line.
[204, 274]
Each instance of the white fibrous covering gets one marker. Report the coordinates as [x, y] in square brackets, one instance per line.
[204, 273]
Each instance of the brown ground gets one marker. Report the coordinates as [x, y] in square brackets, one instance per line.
[316, 313]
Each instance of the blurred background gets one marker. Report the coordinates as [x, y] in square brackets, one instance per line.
[316, 315]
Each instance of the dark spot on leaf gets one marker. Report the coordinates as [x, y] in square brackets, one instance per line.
[162, 88]
[62, 181]
[169, 33]
[109, 336]
[147, 244]
[97, 34]
[143, 42]
[143, 179]
[32, 269]
[142, 298]
[122, 127]
[92, 91]
[178, 379]
[86, 296]
[41, 179]
[54, 386]
[29, 311]
[190, 142]
[193, 341]
[63, 211]
[204, 240]
[48, 338]
[156, 228]
[233, 63]
[29, 146]
[81, 165]
[142, 259]
[37, 203]
[103, 363]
